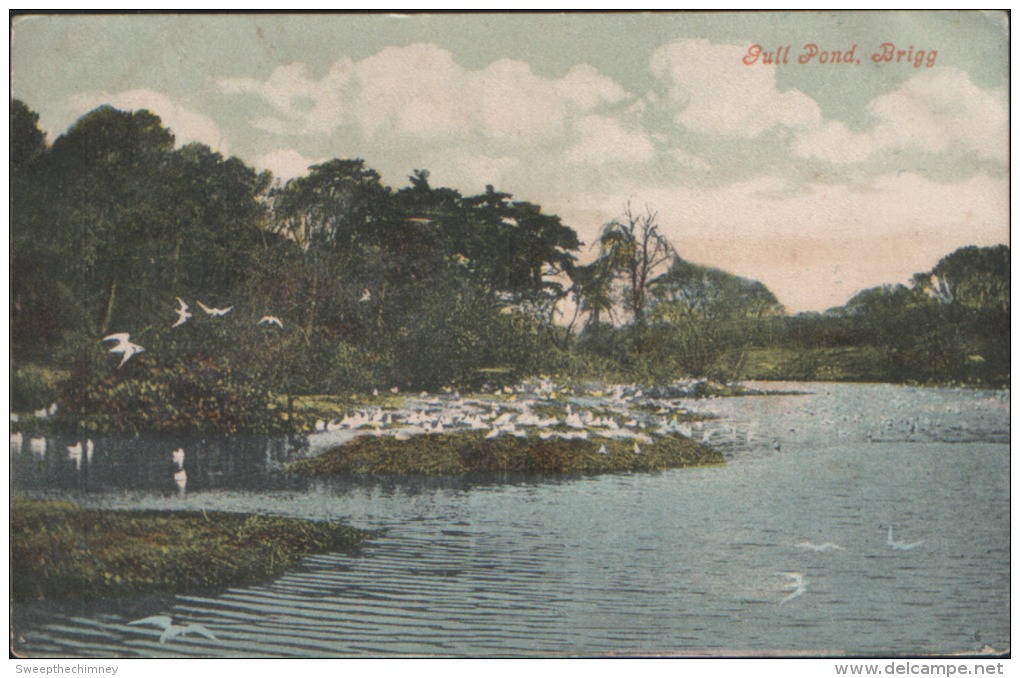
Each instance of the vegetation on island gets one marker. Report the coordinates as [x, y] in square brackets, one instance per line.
[334, 283]
[472, 452]
[60, 551]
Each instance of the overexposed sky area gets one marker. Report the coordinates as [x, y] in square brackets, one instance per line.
[819, 179]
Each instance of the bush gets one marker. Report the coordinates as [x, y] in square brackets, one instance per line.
[198, 393]
[34, 387]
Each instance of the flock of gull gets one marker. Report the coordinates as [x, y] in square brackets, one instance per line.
[128, 348]
[798, 583]
[535, 408]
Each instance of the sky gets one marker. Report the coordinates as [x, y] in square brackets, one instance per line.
[818, 179]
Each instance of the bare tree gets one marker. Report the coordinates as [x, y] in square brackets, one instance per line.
[633, 247]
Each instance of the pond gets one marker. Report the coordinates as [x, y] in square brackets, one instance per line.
[787, 549]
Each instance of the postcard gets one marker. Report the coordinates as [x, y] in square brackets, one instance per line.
[504, 335]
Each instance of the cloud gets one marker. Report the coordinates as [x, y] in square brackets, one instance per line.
[307, 105]
[420, 91]
[285, 163]
[935, 112]
[605, 140]
[187, 125]
[716, 93]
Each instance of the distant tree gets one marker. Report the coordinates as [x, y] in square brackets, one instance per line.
[634, 248]
[704, 313]
[593, 293]
[688, 289]
[974, 277]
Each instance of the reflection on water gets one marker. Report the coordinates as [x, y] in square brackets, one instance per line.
[170, 464]
[682, 562]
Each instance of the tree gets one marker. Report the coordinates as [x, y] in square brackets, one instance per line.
[115, 201]
[974, 277]
[633, 247]
[688, 289]
[41, 299]
[28, 143]
[593, 292]
[336, 214]
[706, 313]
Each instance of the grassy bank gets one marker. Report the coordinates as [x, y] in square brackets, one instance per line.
[62, 551]
[862, 364]
[463, 453]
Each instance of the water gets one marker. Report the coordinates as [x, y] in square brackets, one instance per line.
[685, 562]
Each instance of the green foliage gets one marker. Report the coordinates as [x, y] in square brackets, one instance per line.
[61, 551]
[27, 141]
[34, 387]
[458, 339]
[203, 376]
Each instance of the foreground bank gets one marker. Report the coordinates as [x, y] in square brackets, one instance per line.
[62, 551]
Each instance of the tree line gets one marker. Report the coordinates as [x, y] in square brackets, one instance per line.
[417, 287]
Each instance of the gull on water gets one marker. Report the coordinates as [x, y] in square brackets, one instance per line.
[218, 312]
[797, 585]
[181, 481]
[178, 458]
[827, 546]
[171, 630]
[74, 453]
[271, 320]
[900, 545]
[124, 346]
[37, 446]
[182, 313]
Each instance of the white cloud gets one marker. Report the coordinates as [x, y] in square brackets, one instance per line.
[186, 125]
[420, 91]
[604, 140]
[933, 112]
[316, 104]
[716, 93]
[835, 143]
[285, 163]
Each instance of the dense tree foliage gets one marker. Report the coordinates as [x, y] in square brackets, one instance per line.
[381, 287]
[374, 287]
